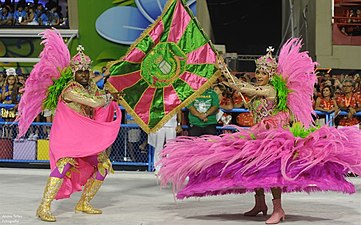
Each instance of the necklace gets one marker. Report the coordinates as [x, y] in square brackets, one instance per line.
[348, 101]
[327, 104]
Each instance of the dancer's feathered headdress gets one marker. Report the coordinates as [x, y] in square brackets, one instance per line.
[54, 58]
[80, 61]
[267, 63]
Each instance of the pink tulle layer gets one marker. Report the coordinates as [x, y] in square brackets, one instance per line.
[249, 159]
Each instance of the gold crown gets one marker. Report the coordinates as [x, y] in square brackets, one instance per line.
[267, 63]
[80, 61]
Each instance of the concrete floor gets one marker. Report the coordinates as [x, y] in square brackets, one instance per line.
[135, 198]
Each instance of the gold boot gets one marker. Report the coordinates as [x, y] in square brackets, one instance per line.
[51, 189]
[90, 189]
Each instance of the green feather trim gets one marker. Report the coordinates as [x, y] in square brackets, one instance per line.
[55, 90]
[253, 136]
[298, 130]
[282, 91]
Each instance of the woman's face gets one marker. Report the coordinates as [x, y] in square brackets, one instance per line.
[11, 80]
[82, 77]
[326, 92]
[21, 80]
[262, 77]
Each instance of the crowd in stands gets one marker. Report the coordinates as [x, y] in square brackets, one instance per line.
[32, 13]
[351, 17]
[333, 93]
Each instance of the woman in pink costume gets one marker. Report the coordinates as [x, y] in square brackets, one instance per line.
[283, 152]
[83, 125]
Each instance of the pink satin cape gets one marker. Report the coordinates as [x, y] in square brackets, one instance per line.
[76, 136]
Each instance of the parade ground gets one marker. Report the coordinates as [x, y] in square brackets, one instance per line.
[135, 198]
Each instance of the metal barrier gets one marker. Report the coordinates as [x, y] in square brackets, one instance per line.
[129, 149]
[34, 146]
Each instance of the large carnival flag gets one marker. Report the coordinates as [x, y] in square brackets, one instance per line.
[166, 68]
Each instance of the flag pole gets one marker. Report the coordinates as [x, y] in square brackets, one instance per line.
[225, 71]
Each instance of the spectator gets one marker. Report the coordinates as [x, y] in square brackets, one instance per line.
[2, 80]
[337, 85]
[9, 95]
[225, 103]
[30, 18]
[244, 119]
[326, 103]
[53, 16]
[202, 114]
[134, 137]
[97, 78]
[41, 16]
[21, 81]
[6, 17]
[19, 14]
[350, 102]
[224, 96]
[60, 14]
[331, 80]
[357, 16]
[160, 137]
[9, 91]
[100, 79]
[350, 15]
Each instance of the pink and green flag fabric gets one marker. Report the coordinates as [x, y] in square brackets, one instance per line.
[166, 68]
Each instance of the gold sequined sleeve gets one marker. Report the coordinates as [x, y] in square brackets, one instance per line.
[266, 91]
[75, 94]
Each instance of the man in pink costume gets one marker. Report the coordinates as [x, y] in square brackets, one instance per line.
[83, 126]
[82, 129]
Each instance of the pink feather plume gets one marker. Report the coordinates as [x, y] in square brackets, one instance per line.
[53, 59]
[298, 69]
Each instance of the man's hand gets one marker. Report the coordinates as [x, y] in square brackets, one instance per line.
[178, 129]
[203, 117]
[352, 111]
[116, 95]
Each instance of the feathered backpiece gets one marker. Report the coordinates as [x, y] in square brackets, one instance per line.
[297, 69]
[54, 58]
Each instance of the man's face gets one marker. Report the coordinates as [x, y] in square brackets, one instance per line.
[347, 87]
[82, 77]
